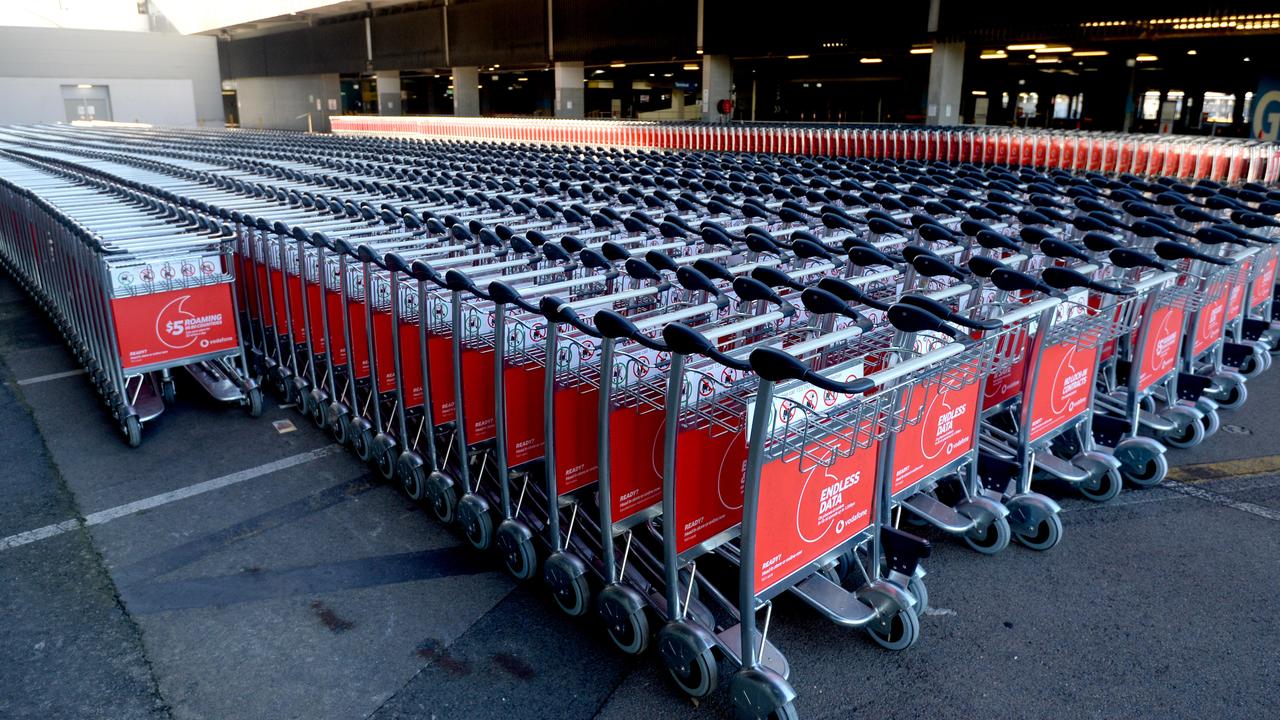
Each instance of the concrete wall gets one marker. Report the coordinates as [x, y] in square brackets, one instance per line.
[158, 78]
[159, 102]
[278, 102]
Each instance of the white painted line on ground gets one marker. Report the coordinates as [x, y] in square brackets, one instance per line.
[104, 516]
[30, 536]
[1225, 501]
[51, 376]
[1142, 497]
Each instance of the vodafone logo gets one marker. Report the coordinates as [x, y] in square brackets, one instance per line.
[1067, 380]
[171, 324]
[1166, 339]
[942, 416]
[176, 328]
[830, 501]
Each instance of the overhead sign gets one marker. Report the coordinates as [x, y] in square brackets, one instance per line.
[1265, 123]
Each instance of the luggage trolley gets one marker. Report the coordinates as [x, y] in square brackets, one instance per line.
[1143, 366]
[1256, 323]
[1043, 403]
[822, 410]
[475, 352]
[1198, 386]
[137, 294]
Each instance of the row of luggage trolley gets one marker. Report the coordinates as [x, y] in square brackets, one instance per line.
[1227, 160]
[676, 386]
[138, 287]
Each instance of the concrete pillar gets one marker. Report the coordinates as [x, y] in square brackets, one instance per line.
[717, 85]
[570, 96]
[466, 91]
[389, 92]
[946, 73]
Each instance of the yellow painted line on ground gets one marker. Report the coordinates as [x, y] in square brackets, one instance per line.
[1264, 465]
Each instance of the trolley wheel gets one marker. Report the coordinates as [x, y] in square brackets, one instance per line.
[628, 626]
[902, 633]
[253, 402]
[1146, 471]
[1188, 437]
[1106, 486]
[699, 677]
[385, 462]
[319, 416]
[1046, 534]
[1235, 396]
[441, 497]
[1252, 365]
[169, 391]
[991, 539]
[282, 387]
[1211, 421]
[413, 482]
[515, 545]
[477, 525]
[132, 429]
[568, 583]
[341, 430]
[917, 588]
[361, 442]
[304, 402]
[785, 712]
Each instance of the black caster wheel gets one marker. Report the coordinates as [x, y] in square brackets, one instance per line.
[1106, 486]
[566, 575]
[1046, 534]
[253, 402]
[477, 524]
[515, 545]
[899, 633]
[132, 429]
[991, 539]
[441, 497]
[625, 618]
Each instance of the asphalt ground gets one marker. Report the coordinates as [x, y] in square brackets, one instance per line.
[227, 570]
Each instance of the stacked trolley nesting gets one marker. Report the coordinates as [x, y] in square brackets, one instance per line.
[138, 287]
[1180, 156]
[676, 386]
